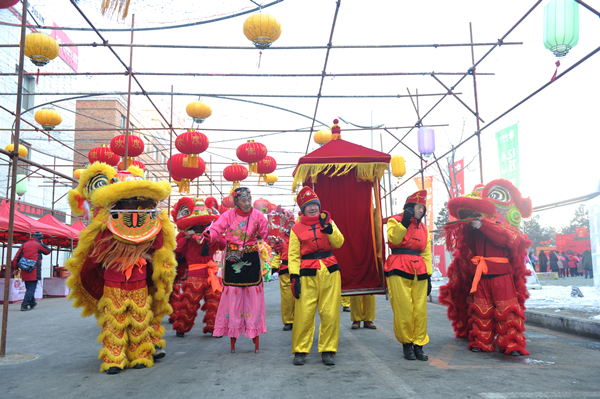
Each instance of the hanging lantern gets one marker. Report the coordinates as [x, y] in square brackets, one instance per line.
[21, 188]
[271, 179]
[261, 204]
[426, 141]
[262, 29]
[8, 3]
[103, 154]
[264, 167]
[561, 26]
[228, 202]
[180, 168]
[48, 118]
[132, 162]
[77, 173]
[272, 207]
[22, 149]
[251, 153]
[336, 130]
[192, 143]
[322, 137]
[235, 173]
[41, 48]
[135, 146]
[199, 110]
[398, 166]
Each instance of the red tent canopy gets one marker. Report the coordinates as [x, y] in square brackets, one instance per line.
[68, 233]
[24, 226]
[78, 226]
[346, 177]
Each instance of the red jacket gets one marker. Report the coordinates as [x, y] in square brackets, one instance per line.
[32, 249]
[190, 252]
[406, 265]
[490, 242]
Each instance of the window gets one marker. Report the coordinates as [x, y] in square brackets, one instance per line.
[23, 168]
[164, 159]
[155, 152]
[123, 119]
[27, 102]
[154, 177]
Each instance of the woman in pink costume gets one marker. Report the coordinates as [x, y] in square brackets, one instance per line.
[242, 306]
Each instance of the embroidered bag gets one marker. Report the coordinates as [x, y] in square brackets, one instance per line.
[27, 264]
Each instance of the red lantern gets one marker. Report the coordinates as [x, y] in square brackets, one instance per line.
[103, 154]
[235, 173]
[264, 167]
[180, 167]
[228, 202]
[192, 143]
[8, 3]
[134, 163]
[251, 153]
[271, 208]
[135, 146]
[261, 204]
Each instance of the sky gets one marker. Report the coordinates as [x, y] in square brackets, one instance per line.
[558, 128]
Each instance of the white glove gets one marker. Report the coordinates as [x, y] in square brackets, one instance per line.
[476, 224]
[275, 276]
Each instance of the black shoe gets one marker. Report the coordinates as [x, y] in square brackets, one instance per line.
[328, 358]
[299, 359]
[419, 353]
[158, 353]
[139, 366]
[515, 353]
[287, 327]
[475, 349]
[345, 309]
[180, 335]
[25, 308]
[32, 306]
[409, 352]
[113, 370]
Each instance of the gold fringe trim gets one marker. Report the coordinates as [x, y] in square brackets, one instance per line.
[364, 171]
[122, 5]
[147, 362]
[118, 361]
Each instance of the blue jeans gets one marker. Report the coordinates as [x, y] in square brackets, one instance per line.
[588, 272]
[29, 298]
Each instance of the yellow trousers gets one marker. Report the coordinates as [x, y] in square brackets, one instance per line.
[409, 304]
[127, 328]
[362, 308]
[345, 301]
[287, 299]
[323, 290]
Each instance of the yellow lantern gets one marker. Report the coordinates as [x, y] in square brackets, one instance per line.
[41, 48]
[48, 118]
[262, 29]
[22, 149]
[322, 137]
[198, 110]
[271, 179]
[77, 173]
[398, 166]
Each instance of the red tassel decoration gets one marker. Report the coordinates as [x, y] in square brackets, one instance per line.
[554, 76]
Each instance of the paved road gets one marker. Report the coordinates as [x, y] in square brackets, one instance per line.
[369, 363]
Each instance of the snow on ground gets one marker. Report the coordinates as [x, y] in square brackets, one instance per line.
[558, 297]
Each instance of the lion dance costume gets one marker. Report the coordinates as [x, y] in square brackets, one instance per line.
[124, 265]
[486, 293]
[196, 265]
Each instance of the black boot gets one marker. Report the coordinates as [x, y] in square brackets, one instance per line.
[420, 354]
[515, 353]
[180, 335]
[299, 359]
[409, 352]
[139, 366]
[288, 327]
[113, 370]
[328, 358]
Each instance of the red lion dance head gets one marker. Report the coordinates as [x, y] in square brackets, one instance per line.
[194, 213]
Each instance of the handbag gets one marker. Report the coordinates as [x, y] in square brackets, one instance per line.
[26, 264]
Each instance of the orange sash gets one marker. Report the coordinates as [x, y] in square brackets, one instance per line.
[213, 268]
[129, 269]
[482, 268]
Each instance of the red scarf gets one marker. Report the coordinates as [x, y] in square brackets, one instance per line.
[239, 212]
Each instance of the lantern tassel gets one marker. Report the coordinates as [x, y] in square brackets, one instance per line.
[555, 71]
[252, 169]
[37, 78]
[236, 184]
[184, 186]
[259, 57]
[262, 178]
[193, 160]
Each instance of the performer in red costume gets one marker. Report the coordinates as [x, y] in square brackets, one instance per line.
[486, 292]
[196, 268]
[280, 264]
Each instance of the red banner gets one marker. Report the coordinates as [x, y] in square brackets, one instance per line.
[565, 242]
[428, 184]
[458, 183]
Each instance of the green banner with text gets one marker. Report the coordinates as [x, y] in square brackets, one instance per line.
[508, 154]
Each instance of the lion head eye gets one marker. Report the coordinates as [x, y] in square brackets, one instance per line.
[499, 194]
[96, 182]
[183, 211]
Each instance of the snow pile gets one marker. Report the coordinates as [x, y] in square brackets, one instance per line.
[554, 297]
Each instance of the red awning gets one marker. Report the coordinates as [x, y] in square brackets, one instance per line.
[70, 235]
[78, 225]
[24, 226]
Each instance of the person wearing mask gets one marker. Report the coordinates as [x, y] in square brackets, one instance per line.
[315, 278]
[408, 271]
[33, 250]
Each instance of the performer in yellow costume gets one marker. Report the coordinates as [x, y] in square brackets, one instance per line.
[315, 279]
[124, 265]
[280, 265]
[362, 308]
[408, 271]
[345, 303]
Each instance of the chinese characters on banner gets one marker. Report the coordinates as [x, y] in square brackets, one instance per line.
[458, 186]
[429, 211]
[508, 154]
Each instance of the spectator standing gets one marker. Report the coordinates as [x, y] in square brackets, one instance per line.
[543, 261]
[553, 262]
[33, 249]
[587, 264]
[572, 259]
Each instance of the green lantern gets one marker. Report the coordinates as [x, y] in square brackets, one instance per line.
[561, 26]
[21, 185]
